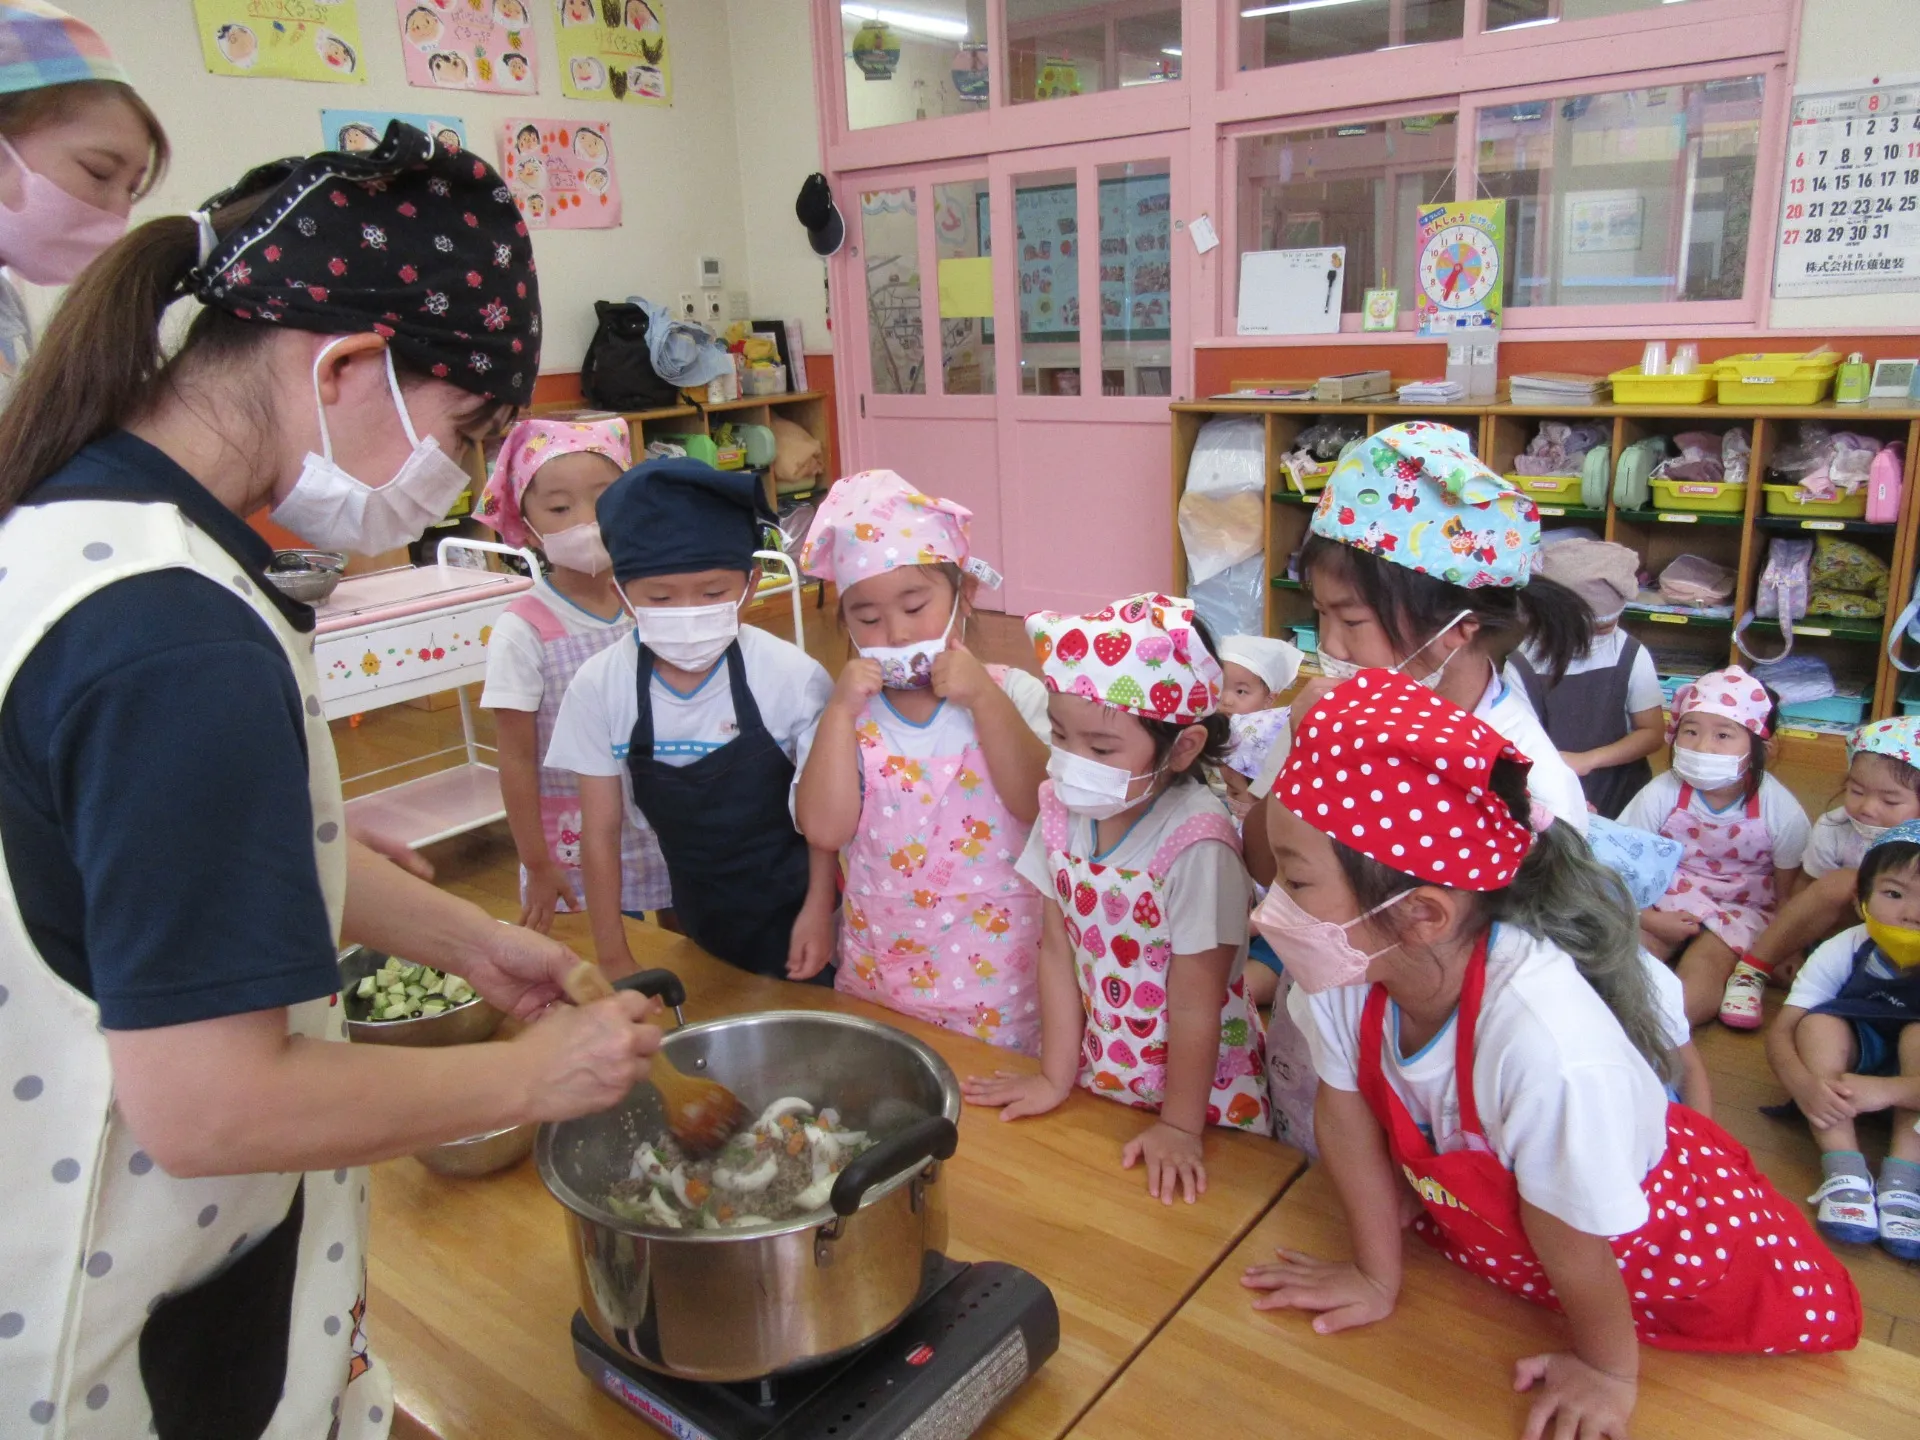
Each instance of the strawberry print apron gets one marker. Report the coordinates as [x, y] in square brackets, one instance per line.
[1122, 946]
[1722, 1263]
[1725, 878]
[937, 923]
[643, 873]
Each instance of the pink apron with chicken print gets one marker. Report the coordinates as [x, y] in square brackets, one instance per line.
[1122, 947]
[1725, 879]
[937, 923]
[643, 871]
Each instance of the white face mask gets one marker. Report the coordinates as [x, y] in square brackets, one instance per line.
[1868, 833]
[688, 637]
[1707, 772]
[1336, 669]
[330, 509]
[910, 667]
[1090, 787]
[579, 547]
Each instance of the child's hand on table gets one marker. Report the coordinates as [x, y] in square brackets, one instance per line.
[1575, 1398]
[546, 888]
[810, 945]
[1173, 1160]
[1015, 1095]
[1338, 1290]
[859, 682]
[959, 677]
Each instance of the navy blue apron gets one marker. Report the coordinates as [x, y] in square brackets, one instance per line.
[1894, 1000]
[739, 867]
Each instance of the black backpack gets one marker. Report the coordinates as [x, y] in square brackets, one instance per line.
[618, 372]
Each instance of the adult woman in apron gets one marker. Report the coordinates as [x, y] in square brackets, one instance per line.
[186, 1239]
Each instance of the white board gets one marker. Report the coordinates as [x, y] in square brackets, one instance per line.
[1850, 201]
[1292, 292]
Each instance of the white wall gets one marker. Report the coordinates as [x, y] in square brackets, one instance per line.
[675, 163]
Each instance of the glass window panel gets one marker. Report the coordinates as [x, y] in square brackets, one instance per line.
[890, 232]
[1627, 197]
[1047, 233]
[960, 233]
[1505, 14]
[1057, 48]
[1136, 284]
[918, 60]
[1286, 32]
[1353, 185]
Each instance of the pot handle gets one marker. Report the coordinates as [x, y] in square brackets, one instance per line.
[934, 1138]
[661, 985]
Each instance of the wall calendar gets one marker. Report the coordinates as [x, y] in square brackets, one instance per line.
[1850, 203]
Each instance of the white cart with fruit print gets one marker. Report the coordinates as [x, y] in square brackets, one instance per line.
[402, 634]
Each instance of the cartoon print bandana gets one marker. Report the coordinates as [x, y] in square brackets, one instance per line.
[1898, 738]
[41, 46]
[1416, 494]
[1731, 693]
[1253, 738]
[1388, 768]
[1140, 654]
[874, 522]
[528, 446]
[1904, 834]
[412, 241]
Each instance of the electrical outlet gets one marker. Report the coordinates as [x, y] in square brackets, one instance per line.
[689, 306]
[714, 305]
[736, 305]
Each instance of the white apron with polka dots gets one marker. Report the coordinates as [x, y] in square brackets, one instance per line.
[96, 1233]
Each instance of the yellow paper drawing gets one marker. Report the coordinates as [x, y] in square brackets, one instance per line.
[284, 39]
[614, 50]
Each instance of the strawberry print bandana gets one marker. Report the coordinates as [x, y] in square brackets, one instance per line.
[1388, 768]
[1898, 739]
[411, 240]
[874, 522]
[528, 446]
[1730, 693]
[1416, 494]
[1140, 654]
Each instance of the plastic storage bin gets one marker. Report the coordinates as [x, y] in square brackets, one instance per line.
[1552, 489]
[1630, 387]
[1792, 500]
[1833, 710]
[1909, 697]
[1307, 638]
[1775, 379]
[1307, 479]
[1703, 497]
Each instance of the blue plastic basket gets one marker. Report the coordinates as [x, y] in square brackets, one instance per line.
[1835, 710]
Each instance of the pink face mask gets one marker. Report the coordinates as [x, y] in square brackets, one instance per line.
[1317, 953]
[53, 236]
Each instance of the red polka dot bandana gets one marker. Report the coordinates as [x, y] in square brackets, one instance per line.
[1731, 693]
[1388, 768]
[1140, 654]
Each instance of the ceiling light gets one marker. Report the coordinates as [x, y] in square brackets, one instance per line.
[1173, 50]
[934, 25]
[1531, 24]
[1291, 6]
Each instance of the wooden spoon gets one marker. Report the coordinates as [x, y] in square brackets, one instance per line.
[702, 1114]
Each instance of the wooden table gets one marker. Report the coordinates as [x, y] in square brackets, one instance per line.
[1441, 1364]
[472, 1289]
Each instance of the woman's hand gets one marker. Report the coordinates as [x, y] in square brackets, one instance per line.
[1173, 1160]
[1339, 1291]
[810, 944]
[519, 971]
[398, 851]
[859, 682]
[584, 1060]
[1580, 1402]
[959, 677]
[547, 887]
[1015, 1095]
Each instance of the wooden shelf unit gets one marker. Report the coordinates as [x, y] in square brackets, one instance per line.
[1500, 431]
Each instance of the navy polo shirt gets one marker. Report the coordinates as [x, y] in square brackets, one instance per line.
[154, 813]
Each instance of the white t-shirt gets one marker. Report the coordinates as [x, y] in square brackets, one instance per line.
[1835, 845]
[1551, 780]
[596, 719]
[513, 652]
[1568, 1105]
[1830, 966]
[1669, 1001]
[1786, 822]
[1205, 897]
[1643, 681]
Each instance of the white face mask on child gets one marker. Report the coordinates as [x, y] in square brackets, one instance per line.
[578, 547]
[1089, 787]
[688, 637]
[910, 667]
[1707, 772]
[1336, 669]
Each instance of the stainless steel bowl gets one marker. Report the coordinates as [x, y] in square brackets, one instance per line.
[306, 575]
[462, 1025]
[481, 1154]
[733, 1305]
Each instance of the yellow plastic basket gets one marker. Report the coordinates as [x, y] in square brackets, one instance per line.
[1775, 379]
[1791, 500]
[1702, 497]
[1630, 387]
[1550, 489]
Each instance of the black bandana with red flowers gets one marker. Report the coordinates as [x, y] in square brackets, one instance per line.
[413, 241]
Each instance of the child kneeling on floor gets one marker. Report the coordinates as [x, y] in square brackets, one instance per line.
[1483, 1028]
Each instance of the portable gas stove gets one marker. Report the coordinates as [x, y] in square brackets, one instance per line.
[978, 1333]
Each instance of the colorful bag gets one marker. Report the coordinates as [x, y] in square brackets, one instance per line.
[1782, 594]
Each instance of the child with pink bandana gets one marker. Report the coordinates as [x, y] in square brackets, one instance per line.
[541, 495]
[925, 771]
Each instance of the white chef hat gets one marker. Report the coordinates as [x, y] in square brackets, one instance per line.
[1274, 661]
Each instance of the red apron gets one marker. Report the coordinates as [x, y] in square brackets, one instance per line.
[1722, 1263]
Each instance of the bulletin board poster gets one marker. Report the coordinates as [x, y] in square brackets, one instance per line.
[282, 39]
[470, 45]
[357, 131]
[1850, 203]
[614, 50]
[561, 173]
[1136, 281]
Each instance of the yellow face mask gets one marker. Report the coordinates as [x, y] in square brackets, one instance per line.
[1899, 943]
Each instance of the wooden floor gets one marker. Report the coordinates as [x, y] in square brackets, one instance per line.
[481, 867]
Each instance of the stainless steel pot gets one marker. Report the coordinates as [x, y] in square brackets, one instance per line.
[722, 1305]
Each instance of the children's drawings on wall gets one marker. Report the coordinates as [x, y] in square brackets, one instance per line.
[470, 45]
[614, 50]
[282, 39]
[561, 173]
[361, 130]
[1136, 280]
